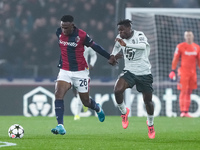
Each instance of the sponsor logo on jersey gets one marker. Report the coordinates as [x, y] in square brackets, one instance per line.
[190, 53]
[65, 43]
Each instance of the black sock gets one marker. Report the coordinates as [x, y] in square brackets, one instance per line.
[94, 106]
[59, 109]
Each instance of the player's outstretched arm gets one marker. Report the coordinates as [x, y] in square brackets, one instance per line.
[103, 53]
[141, 46]
[172, 74]
[100, 50]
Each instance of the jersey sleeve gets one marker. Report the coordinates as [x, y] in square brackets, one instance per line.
[141, 38]
[116, 48]
[88, 41]
[177, 54]
[58, 32]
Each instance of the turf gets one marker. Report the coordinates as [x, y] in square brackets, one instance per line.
[90, 134]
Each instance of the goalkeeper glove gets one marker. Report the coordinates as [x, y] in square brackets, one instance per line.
[172, 75]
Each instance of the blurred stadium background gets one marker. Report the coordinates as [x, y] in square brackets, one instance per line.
[29, 52]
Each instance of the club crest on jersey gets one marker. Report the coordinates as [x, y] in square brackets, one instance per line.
[133, 41]
[195, 48]
[77, 39]
[141, 39]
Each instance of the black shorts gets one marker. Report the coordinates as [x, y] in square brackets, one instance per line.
[143, 82]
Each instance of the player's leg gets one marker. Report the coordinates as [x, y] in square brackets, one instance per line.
[120, 86]
[144, 85]
[184, 97]
[61, 88]
[90, 103]
[81, 81]
[63, 84]
[181, 102]
[78, 104]
[150, 113]
[187, 102]
[192, 85]
[149, 107]
[78, 108]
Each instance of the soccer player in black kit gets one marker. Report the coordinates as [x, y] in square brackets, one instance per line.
[74, 69]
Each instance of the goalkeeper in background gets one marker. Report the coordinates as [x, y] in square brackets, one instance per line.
[91, 58]
[189, 52]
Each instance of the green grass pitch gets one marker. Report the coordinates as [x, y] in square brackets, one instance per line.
[90, 134]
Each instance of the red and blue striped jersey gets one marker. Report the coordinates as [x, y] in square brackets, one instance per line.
[72, 49]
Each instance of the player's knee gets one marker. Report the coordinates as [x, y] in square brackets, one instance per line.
[118, 91]
[59, 94]
[86, 103]
[148, 102]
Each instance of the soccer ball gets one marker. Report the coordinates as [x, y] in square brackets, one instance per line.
[16, 131]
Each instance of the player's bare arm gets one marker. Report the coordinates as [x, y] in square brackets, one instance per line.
[112, 60]
[139, 46]
[121, 42]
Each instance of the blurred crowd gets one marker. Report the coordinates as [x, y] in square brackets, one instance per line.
[28, 44]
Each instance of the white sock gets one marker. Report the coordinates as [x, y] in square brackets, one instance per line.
[150, 119]
[78, 107]
[122, 108]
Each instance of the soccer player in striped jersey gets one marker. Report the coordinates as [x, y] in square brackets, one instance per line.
[74, 69]
[137, 71]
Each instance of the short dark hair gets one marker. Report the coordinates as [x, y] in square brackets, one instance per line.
[125, 22]
[67, 18]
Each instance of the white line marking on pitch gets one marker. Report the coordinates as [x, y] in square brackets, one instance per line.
[7, 144]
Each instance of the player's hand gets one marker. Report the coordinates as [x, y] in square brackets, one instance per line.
[118, 56]
[172, 75]
[121, 42]
[112, 61]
